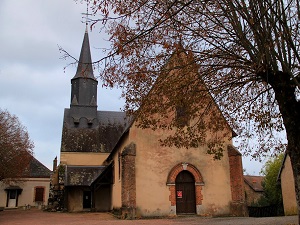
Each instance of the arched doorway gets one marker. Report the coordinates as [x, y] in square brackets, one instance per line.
[185, 193]
[198, 183]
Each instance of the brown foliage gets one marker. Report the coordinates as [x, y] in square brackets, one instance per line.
[15, 147]
[247, 52]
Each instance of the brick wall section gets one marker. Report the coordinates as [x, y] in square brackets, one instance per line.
[238, 206]
[199, 196]
[172, 196]
[128, 182]
[198, 181]
[236, 175]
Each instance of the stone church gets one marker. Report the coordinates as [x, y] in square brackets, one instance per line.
[107, 163]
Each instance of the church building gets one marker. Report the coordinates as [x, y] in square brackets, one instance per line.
[107, 163]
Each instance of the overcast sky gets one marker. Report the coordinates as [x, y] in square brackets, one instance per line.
[34, 85]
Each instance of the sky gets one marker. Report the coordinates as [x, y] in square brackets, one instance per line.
[34, 84]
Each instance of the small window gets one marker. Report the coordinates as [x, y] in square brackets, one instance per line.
[39, 194]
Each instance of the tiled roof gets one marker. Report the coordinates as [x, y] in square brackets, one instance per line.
[255, 182]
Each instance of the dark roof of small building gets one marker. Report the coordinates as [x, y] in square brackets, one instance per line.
[33, 169]
[82, 175]
[38, 170]
[254, 182]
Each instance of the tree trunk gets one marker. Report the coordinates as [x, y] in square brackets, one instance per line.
[290, 110]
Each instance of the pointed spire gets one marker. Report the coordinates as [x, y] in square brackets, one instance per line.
[85, 67]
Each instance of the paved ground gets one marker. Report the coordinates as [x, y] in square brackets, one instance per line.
[38, 217]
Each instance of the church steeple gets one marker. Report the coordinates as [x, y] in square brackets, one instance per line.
[83, 107]
[85, 67]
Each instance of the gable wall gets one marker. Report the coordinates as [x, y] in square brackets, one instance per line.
[153, 163]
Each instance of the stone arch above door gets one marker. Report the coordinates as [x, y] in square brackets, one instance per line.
[198, 184]
[184, 166]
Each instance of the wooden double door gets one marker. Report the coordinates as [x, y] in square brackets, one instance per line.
[185, 193]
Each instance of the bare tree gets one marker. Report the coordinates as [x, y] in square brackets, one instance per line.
[247, 52]
[15, 147]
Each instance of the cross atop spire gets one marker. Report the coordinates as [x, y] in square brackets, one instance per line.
[86, 15]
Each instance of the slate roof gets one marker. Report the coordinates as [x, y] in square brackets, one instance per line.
[102, 137]
[112, 118]
[105, 118]
[38, 170]
[82, 175]
[118, 142]
[254, 182]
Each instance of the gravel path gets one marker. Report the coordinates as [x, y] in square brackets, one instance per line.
[38, 217]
